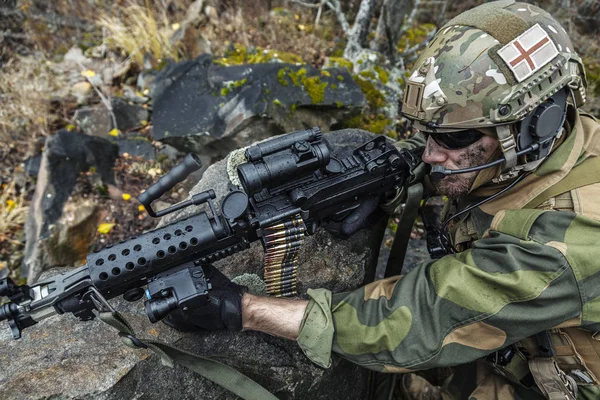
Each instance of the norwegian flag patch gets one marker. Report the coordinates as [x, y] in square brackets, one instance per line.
[529, 52]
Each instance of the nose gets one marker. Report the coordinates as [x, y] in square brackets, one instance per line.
[434, 153]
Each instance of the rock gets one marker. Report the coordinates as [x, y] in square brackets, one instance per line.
[379, 80]
[136, 146]
[98, 366]
[31, 165]
[70, 237]
[62, 357]
[128, 115]
[210, 109]
[93, 121]
[65, 156]
[97, 121]
[82, 92]
[75, 55]
[129, 94]
[170, 152]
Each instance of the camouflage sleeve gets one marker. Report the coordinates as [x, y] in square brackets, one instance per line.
[417, 140]
[532, 271]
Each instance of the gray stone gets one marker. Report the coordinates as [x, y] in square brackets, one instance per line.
[66, 155]
[97, 120]
[211, 110]
[137, 146]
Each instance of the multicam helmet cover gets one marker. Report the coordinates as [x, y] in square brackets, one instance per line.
[489, 66]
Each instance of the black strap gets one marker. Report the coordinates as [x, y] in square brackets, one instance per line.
[411, 209]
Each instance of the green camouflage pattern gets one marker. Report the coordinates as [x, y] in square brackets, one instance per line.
[532, 270]
[460, 82]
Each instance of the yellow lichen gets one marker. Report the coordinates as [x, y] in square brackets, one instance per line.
[312, 84]
[240, 54]
[281, 76]
[373, 95]
[367, 74]
[341, 62]
[298, 76]
[315, 88]
[375, 124]
[383, 75]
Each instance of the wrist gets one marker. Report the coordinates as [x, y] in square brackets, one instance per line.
[276, 316]
[248, 311]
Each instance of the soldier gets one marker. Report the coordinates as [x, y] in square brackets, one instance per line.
[495, 99]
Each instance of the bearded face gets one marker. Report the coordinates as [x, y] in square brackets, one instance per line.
[473, 155]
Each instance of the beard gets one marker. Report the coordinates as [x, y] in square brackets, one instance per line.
[457, 185]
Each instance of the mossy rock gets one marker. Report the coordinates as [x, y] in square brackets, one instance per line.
[238, 54]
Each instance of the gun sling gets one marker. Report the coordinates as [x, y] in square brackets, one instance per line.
[217, 372]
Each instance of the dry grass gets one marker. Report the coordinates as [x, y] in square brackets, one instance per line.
[26, 85]
[13, 208]
[138, 31]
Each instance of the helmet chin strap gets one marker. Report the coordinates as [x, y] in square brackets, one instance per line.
[508, 145]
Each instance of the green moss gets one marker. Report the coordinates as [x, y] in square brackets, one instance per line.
[290, 58]
[281, 76]
[277, 102]
[415, 35]
[267, 91]
[239, 54]
[342, 62]
[293, 108]
[383, 75]
[339, 104]
[225, 91]
[315, 88]
[324, 72]
[367, 74]
[375, 125]
[297, 77]
[340, 78]
[333, 86]
[374, 96]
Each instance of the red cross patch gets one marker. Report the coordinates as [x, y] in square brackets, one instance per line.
[529, 52]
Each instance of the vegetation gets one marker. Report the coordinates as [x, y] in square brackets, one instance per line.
[138, 31]
[123, 38]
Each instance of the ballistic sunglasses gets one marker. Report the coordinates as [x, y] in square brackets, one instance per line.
[456, 140]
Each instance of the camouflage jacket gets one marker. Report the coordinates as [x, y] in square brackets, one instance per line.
[530, 270]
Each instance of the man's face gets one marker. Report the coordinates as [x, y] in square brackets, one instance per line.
[473, 155]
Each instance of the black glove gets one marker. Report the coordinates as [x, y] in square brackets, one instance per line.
[354, 220]
[223, 310]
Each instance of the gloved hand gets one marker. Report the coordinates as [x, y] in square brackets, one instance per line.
[350, 222]
[223, 310]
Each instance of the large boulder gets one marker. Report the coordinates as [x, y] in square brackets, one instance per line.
[67, 359]
[212, 109]
[55, 235]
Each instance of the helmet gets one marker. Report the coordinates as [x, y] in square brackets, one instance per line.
[489, 66]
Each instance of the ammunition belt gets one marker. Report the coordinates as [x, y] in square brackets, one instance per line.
[282, 243]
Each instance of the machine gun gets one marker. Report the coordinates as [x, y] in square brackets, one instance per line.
[290, 186]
